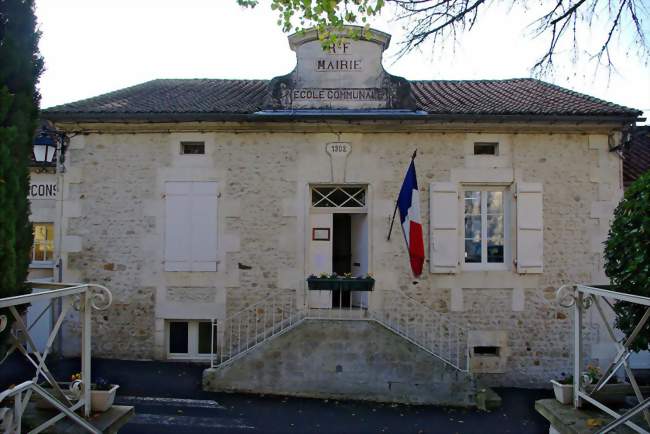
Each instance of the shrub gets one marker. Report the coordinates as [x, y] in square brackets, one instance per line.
[627, 257]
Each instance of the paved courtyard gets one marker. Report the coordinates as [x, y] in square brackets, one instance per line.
[168, 399]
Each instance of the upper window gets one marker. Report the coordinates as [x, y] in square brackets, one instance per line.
[338, 197]
[43, 247]
[483, 148]
[192, 148]
[485, 234]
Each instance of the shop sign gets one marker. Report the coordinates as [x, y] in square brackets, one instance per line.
[42, 190]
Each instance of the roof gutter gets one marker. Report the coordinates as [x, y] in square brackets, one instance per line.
[312, 116]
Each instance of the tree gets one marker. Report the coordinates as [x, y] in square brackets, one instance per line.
[627, 257]
[20, 67]
[433, 22]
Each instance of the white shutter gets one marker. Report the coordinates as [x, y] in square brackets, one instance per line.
[178, 214]
[204, 226]
[530, 228]
[444, 205]
[191, 226]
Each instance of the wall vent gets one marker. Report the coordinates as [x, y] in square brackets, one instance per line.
[484, 148]
[192, 148]
[486, 351]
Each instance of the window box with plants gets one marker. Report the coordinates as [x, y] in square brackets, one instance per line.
[347, 282]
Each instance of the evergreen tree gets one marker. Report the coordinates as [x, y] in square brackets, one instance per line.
[20, 67]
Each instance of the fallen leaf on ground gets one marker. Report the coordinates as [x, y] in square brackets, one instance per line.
[593, 423]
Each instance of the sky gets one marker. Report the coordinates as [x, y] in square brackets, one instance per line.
[97, 46]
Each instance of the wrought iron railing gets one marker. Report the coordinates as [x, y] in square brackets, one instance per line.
[430, 330]
[582, 298]
[250, 327]
[82, 297]
[278, 313]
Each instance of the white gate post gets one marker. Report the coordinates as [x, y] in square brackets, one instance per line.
[577, 348]
[86, 333]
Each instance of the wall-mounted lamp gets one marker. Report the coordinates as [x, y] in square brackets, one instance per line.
[47, 145]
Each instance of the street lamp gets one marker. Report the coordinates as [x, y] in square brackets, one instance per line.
[44, 148]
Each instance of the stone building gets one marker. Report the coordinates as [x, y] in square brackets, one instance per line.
[205, 199]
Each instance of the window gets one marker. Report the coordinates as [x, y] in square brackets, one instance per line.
[472, 228]
[43, 247]
[191, 226]
[481, 148]
[192, 148]
[485, 228]
[192, 339]
[338, 196]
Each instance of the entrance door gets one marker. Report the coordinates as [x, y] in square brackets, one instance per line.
[320, 256]
[359, 255]
[341, 255]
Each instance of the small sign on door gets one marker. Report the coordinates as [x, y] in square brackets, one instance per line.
[320, 234]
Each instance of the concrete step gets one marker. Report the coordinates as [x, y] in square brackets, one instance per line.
[344, 359]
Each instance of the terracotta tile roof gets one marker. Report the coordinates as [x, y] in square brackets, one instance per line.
[637, 155]
[470, 97]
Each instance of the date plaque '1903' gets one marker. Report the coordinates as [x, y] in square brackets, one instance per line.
[338, 149]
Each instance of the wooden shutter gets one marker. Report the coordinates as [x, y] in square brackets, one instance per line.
[178, 217]
[191, 226]
[204, 226]
[444, 206]
[530, 228]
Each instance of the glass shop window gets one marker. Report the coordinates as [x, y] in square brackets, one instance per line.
[43, 246]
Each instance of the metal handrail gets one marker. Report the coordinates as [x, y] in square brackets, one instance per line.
[583, 297]
[241, 332]
[434, 333]
[29, 386]
[83, 297]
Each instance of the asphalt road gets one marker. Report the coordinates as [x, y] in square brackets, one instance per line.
[168, 399]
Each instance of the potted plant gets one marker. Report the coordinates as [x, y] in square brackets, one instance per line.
[347, 282]
[323, 282]
[102, 393]
[358, 283]
[563, 389]
[612, 393]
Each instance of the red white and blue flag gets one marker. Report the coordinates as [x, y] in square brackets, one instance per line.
[408, 203]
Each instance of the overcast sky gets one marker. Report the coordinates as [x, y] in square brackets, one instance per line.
[96, 46]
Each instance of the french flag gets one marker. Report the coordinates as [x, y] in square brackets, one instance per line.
[408, 203]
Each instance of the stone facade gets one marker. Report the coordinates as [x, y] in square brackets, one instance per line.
[114, 218]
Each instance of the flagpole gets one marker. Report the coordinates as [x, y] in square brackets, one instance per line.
[390, 230]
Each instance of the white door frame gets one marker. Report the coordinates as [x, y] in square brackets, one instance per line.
[309, 210]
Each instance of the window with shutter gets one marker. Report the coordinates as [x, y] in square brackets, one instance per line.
[485, 228]
[530, 228]
[191, 226]
[444, 207]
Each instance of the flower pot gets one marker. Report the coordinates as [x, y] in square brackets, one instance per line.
[563, 392]
[322, 284]
[43, 404]
[102, 400]
[340, 283]
[357, 284]
[612, 394]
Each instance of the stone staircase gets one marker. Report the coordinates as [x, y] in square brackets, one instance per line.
[404, 353]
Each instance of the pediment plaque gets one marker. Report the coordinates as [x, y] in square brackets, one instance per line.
[345, 75]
